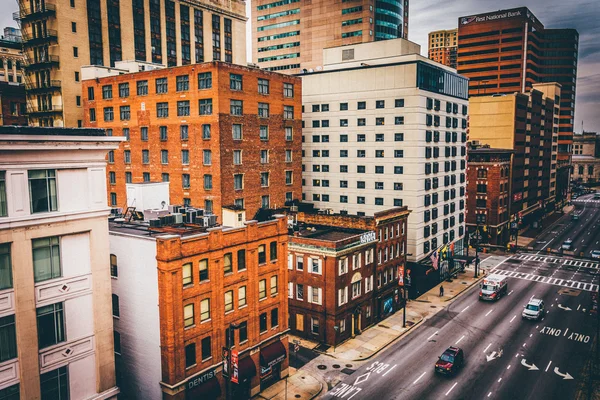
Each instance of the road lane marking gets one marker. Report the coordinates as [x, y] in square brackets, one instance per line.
[578, 307]
[513, 318]
[465, 309]
[388, 371]
[488, 346]
[524, 344]
[448, 392]
[546, 370]
[489, 312]
[499, 380]
[419, 378]
[489, 394]
[435, 333]
[509, 293]
[458, 341]
[566, 332]
[508, 367]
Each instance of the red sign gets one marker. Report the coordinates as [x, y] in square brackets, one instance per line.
[234, 366]
[401, 275]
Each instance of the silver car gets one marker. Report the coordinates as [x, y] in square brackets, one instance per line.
[534, 309]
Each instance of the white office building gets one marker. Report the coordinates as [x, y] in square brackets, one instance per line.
[385, 127]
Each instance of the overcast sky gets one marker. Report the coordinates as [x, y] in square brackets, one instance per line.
[429, 15]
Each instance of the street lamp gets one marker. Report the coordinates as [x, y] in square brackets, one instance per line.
[477, 238]
[336, 329]
[231, 338]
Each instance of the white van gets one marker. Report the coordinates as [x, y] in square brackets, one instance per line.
[493, 287]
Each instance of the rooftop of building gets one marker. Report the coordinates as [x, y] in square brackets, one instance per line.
[142, 229]
[50, 131]
[476, 147]
[325, 232]
[11, 44]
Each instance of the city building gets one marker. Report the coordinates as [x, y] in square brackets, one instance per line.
[222, 134]
[60, 37]
[56, 329]
[13, 106]
[391, 125]
[586, 158]
[290, 35]
[526, 124]
[176, 292]
[509, 51]
[12, 34]
[443, 46]
[344, 272]
[11, 59]
[488, 193]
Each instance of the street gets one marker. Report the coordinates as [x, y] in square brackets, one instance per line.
[585, 232]
[505, 356]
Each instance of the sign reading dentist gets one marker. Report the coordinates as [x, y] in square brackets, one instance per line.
[368, 237]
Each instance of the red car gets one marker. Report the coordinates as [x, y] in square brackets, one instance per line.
[450, 361]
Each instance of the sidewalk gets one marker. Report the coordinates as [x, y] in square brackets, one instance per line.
[377, 337]
[300, 385]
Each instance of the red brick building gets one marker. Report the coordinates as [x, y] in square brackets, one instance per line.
[13, 104]
[204, 282]
[489, 193]
[222, 134]
[343, 272]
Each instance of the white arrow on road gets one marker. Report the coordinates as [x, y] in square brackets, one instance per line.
[564, 308]
[531, 367]
[565, 376]
[493, 356]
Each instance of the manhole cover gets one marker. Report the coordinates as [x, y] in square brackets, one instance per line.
[297, 396]
[433, 306]
[349, 365]
[321, 366]
[336, 366]
[464, 283]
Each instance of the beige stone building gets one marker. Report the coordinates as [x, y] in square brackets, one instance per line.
[11, 61]
[61, 36]
[290, 35]
[586, 158]
[443, 46]
[56, 325]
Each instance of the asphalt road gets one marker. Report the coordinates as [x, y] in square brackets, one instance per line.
[506, 357]
[585, 232]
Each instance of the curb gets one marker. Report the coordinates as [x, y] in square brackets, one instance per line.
[318, 393]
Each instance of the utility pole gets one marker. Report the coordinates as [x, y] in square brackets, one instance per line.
[231, 338]
[477, 248]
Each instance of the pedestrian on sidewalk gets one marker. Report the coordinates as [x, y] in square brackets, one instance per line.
[441, 290]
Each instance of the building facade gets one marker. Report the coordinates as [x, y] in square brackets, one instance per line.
[509, 51]
[13, 105]
[232, 137]
[489, 193]
[379, 120]
[344, 272]
[55, 320]
[60, 37]
[201, 283]
[443, 47]
[290, 35]
[586, 158]
[525, 123]
[11, 60]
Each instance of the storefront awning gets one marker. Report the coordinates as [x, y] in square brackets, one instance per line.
[272, 354]
[211, 389]
[246, 369]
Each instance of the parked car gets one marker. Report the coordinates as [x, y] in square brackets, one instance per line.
[534, 309]
[596, 254]
[450, 361]
[575, 217]
[567, 244]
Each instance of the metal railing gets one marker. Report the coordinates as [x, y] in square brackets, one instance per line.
[25, 12]
[53, 84]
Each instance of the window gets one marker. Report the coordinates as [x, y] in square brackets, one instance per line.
[314, 325]
[343, 122]
[288, 90]
[55, 384]
[356, 289]
[273, 251]
[205, 106]
[46, 258]
[183, 108]
[263, 110]
[263, 86]
[241, 260]
[262, 255]
[241, 296]
[182, 83]
[208, 184]
[235, 82]
[399, 120]
[185, 157]
[380, 104]
[187, 274]
[107, 92]
[206, 348]
[185, 181]
[206, 157]
[288, 112]
[236, 107]
[50, 325]
[190, 355]
[162, 85]
[398, 153]
[205, 80]
[162, 110]
[264, 176]
[204, 310]
[8, 341]
[238, 181]
[265, 201]
[273, 285]
[237, 159]
[142, 88]
[262, 289]
[115, 306]
[229, 301]
[263, 322]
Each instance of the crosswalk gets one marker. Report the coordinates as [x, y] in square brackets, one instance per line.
[590, 287]
[556, 260]
[586, 201]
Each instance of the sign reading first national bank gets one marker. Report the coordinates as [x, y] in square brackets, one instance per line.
[498, 15]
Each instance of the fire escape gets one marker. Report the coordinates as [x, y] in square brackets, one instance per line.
[35, 17]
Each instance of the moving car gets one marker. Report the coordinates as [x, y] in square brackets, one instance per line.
[567, 244]
[493, 287]
[575, 217]
[596, 254]
[534, 309]
[450, 361]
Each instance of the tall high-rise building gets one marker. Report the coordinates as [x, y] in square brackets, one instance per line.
[443, 46]
[391, 126]
[60, 37]
[508, 51]
[56, 327]
[290, 35]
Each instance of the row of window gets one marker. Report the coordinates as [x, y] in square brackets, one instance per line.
[236, 132]
[361, 105]
[378, 201]
[205, 107]
[379, 121]
[430, 245]
[361, 137]
[359, 184]
[43, 195]
[182, 84]
[361, 169]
